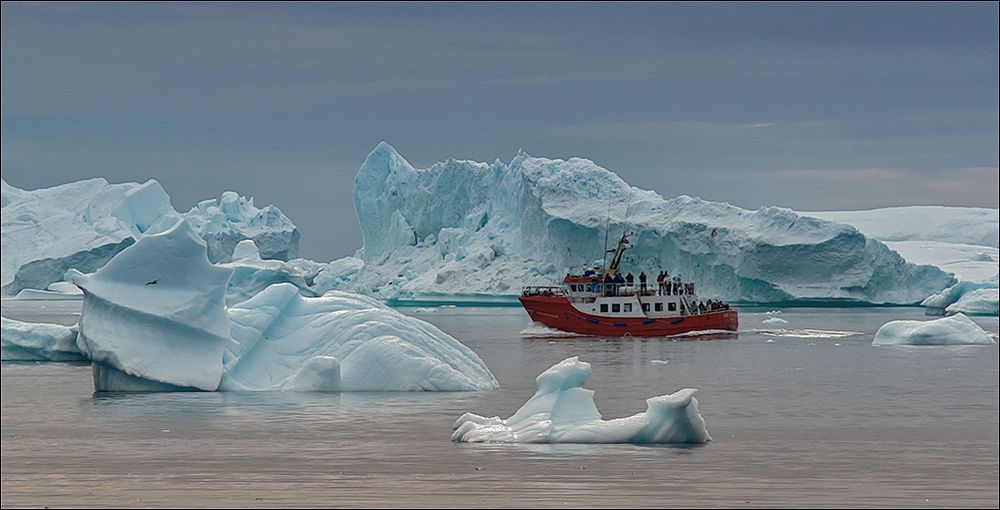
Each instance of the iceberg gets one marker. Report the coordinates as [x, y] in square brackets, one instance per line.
[954, 330]
[962, 240]
[282, 340]
[251, 274]
[223, 223]
[461, 227]
[29, 341]
[154, 316]
[82, 225]
[973, 298]
[562, 411]
[48, 231]
[155, 319]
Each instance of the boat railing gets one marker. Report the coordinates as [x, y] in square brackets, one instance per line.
[625, 289]
[539, 290]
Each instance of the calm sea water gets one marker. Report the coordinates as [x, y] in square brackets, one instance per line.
[806, 413]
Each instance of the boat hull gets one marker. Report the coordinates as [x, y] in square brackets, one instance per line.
[556, 312]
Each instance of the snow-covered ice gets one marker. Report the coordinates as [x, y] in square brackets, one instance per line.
[30, 341]
[282, 340]
[81, 225]
[461, 227]
[954, 330]
[562, 411]
[156, 313]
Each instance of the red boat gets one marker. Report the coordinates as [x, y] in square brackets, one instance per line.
[594, 304]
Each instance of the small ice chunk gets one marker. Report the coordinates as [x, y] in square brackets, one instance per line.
[562, 411]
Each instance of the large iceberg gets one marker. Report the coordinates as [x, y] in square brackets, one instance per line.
[973, 298]
[81, 225]
[282, 340]
[154, 316]
[562, 411]
[30, 341]
[954, 330]
[155, 319]
[461, 227]
[961, 240]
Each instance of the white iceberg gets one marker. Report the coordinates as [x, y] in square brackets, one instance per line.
[974, 298]
[282, 340]
[461, 227]
[81, 225]
[155, 319]
[251, 274]
[954, 330]
[48, 231]
[30, 341]
[225, 222]
[962, 240]
[562, 411]
[154, 316]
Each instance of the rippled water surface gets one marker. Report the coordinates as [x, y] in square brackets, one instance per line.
[806, 413]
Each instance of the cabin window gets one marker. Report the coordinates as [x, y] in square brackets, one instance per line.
[604, 308]
[659, 306]
[645, 307]
[628, 307]
[616, 307]
[672, 307]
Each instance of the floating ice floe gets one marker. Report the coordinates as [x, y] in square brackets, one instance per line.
[954, 330]
[773, 318]
[154, 319]
[462, 226]
[30, 341]
[81, 225]
[562, 411]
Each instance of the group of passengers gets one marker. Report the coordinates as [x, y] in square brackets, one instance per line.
[712, 305]
[614, 285]
[672, 285]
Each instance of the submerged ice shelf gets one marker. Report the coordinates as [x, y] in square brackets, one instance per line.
[562, 411]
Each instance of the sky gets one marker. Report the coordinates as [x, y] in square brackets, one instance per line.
[812, 106]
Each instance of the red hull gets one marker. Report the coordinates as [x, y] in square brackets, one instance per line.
[557, 312]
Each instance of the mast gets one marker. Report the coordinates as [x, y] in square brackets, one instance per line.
[619, 251]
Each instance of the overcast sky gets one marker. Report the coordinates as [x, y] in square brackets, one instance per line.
[811, 106]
